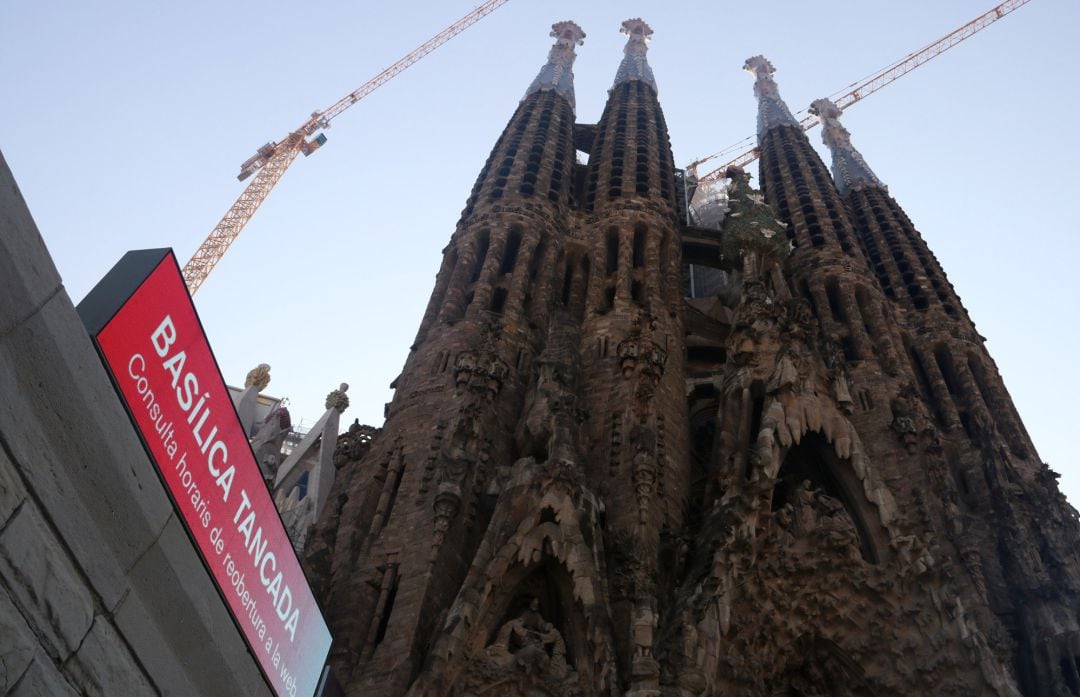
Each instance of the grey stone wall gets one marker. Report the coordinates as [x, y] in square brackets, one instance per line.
[101, 591]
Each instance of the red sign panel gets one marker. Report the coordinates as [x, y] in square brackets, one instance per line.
[154, 346]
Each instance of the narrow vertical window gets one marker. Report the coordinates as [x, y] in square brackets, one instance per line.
[612, 251]
[537, 259]
[832, 292]
[639, 246]
[498, 300]
[948, 371]
[482, 243]
[510, 252]
[580, 291]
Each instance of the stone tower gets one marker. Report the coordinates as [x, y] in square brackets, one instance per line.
[629, 455]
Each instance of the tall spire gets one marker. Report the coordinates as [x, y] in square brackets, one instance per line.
[850, 171]
[772, 111]
[558, 73]
[634, 65]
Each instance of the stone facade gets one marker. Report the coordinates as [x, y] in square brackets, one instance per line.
[809, 480]
[101, 590]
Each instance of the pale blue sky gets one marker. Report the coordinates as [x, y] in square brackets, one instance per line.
[125, 124]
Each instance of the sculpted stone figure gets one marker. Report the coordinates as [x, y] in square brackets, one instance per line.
[786, 375]
[783, 521]
[904, 422]
[267, 441]
[551, 412]
[803, 505]
[530, 644]
[836, 525]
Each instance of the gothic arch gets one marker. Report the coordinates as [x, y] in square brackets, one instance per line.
[814, 460]
[833, 441]
[535, 604]
[818, 667]
[540, 545]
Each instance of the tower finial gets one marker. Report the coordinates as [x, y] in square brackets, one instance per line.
[850, 171]
[772, 111]
[558, 73]
[634, 64]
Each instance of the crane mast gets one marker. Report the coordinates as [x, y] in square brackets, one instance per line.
[270, 162]
[872, 84]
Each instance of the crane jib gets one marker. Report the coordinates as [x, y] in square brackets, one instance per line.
[880, 79]
[273, 159]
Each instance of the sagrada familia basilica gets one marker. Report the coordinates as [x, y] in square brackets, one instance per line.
[750, 446]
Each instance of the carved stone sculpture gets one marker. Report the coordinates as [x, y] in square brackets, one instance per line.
[258, 377]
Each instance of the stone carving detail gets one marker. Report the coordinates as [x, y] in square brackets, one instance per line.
[905, 421]
[552, 411]
[337, 399]
[479, 372]
[850, 171]
[466, 450]
[558, 73]
[446, 507]
[267, 442]
[834, 361]
[772, 111]
[432, 460]
[635, 354]
[526, 658]
[354, 443]
[644, 472]
[754, 239]
[258, 377]
[634, 64]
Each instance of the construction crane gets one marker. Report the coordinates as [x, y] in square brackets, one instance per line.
[269, 162]
[864, 88]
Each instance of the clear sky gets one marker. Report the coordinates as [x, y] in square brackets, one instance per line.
[125, 124]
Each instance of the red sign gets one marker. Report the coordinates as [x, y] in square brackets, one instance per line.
[153, 344]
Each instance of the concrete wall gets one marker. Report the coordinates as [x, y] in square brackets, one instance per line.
[101, 592]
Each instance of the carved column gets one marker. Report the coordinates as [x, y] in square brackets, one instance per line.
[388, 578]
[940, 391]
[519, 282]
[824, 309]
[544, 285]
[454, 305]
[485, 284]
[624, 273]
[856, 328]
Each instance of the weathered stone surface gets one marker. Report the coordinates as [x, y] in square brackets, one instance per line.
[17, 644]
[42, 679]
[44, 582]
[60, 415]
[83, 516]
[104, 666]
[185, 641]
[12, 491]
[47, 365]
[27, 275]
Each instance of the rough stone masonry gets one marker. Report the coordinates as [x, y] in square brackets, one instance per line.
[632, 453]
